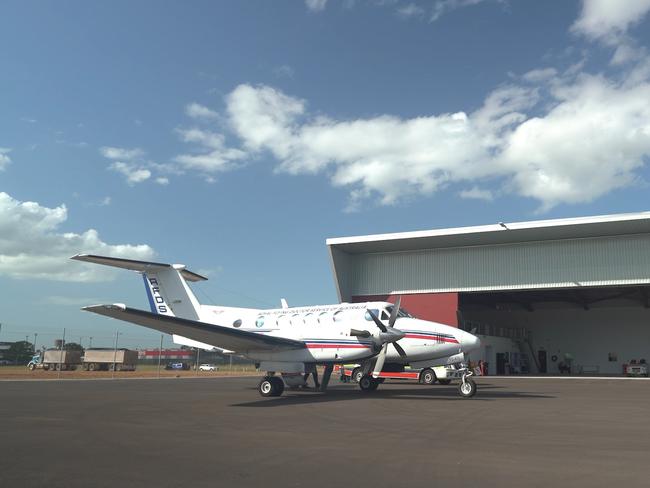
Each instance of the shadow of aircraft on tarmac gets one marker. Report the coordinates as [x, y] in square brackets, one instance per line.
[486, 392]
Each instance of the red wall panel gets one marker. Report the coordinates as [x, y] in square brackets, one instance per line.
[437, 307]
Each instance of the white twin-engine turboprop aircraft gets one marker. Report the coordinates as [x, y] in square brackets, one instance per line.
[289, 341]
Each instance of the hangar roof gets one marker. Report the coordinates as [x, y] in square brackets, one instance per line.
[500, 233]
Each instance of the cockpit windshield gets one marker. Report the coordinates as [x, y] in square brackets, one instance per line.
[401, 313]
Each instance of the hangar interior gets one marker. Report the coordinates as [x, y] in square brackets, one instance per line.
[546, 297]
[577, 331]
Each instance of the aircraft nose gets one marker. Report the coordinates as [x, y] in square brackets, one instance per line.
[469, 342]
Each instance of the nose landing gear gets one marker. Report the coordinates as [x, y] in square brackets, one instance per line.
[467, 387]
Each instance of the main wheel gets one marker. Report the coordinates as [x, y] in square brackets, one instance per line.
[467, 388]
[266, 387]
[428, 376]
[271, 386]
[279, 385]
[368, 383]
[357, 374]
[31, 366]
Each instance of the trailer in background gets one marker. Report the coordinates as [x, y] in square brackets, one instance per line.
[106, 359]
[55, 359]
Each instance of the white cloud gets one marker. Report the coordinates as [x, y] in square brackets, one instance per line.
[539, 75]
[162, 180]
[197, 111]
[590, 143]
[32, 246]
[133, 174]
[608, 20]
[315, 5]
[4, 159]
[121, 154]
[410, 10]
[477, 193]
[441, 7]
[211, 155]
[586, 137]
[105, 202]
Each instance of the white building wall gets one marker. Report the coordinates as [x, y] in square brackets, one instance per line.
[588, 335]
[600, 261]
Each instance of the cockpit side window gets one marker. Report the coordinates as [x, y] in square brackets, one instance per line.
[374, 311]
[402, 312]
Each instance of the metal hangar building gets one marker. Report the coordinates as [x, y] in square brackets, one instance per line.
[550, 296]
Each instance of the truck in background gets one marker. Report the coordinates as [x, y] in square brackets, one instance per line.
[55, 359]
[107, 359]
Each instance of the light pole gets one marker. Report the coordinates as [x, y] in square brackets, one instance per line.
[90, 345]
[35, 336]
[117, 333]
[198, 352]
[160, 355]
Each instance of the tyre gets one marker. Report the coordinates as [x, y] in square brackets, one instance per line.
[357, 374]
[467, 389]
[271, 386]
[428, 376]
[368, 383]
[444, 382]
[31, 366]
[278, 384]
[265, 387]
[92, 366]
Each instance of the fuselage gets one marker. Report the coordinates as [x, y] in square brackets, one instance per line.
[326, 331]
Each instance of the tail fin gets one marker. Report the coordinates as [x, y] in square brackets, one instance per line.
[166, 284]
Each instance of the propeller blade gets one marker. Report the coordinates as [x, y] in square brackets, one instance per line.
[399, 349]
[379, 364]
[394, 312]
[360, 333]
[377, 322]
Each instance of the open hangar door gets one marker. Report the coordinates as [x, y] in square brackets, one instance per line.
[586, 330]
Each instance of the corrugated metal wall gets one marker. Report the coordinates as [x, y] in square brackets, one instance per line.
[587, 262]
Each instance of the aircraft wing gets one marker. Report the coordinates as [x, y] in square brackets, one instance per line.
[239, 341]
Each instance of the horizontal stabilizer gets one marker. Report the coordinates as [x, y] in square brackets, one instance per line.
[239, 341]
[141, 266]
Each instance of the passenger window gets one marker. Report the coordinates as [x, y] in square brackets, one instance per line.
[321, 317]
[260, 321]
[237, 323]
[295, 319]
[338, 316]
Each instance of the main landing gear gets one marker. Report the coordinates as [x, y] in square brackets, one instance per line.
[273, 386]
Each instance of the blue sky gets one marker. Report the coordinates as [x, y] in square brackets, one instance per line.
[235, 137]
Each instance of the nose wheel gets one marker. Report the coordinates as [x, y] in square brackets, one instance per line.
[467, 387]
[368, 383]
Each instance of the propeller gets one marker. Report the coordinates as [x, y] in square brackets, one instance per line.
[387, 336]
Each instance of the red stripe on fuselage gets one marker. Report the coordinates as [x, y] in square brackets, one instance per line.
[433, 338]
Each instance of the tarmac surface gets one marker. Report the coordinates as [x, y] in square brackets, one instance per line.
[219, 432]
